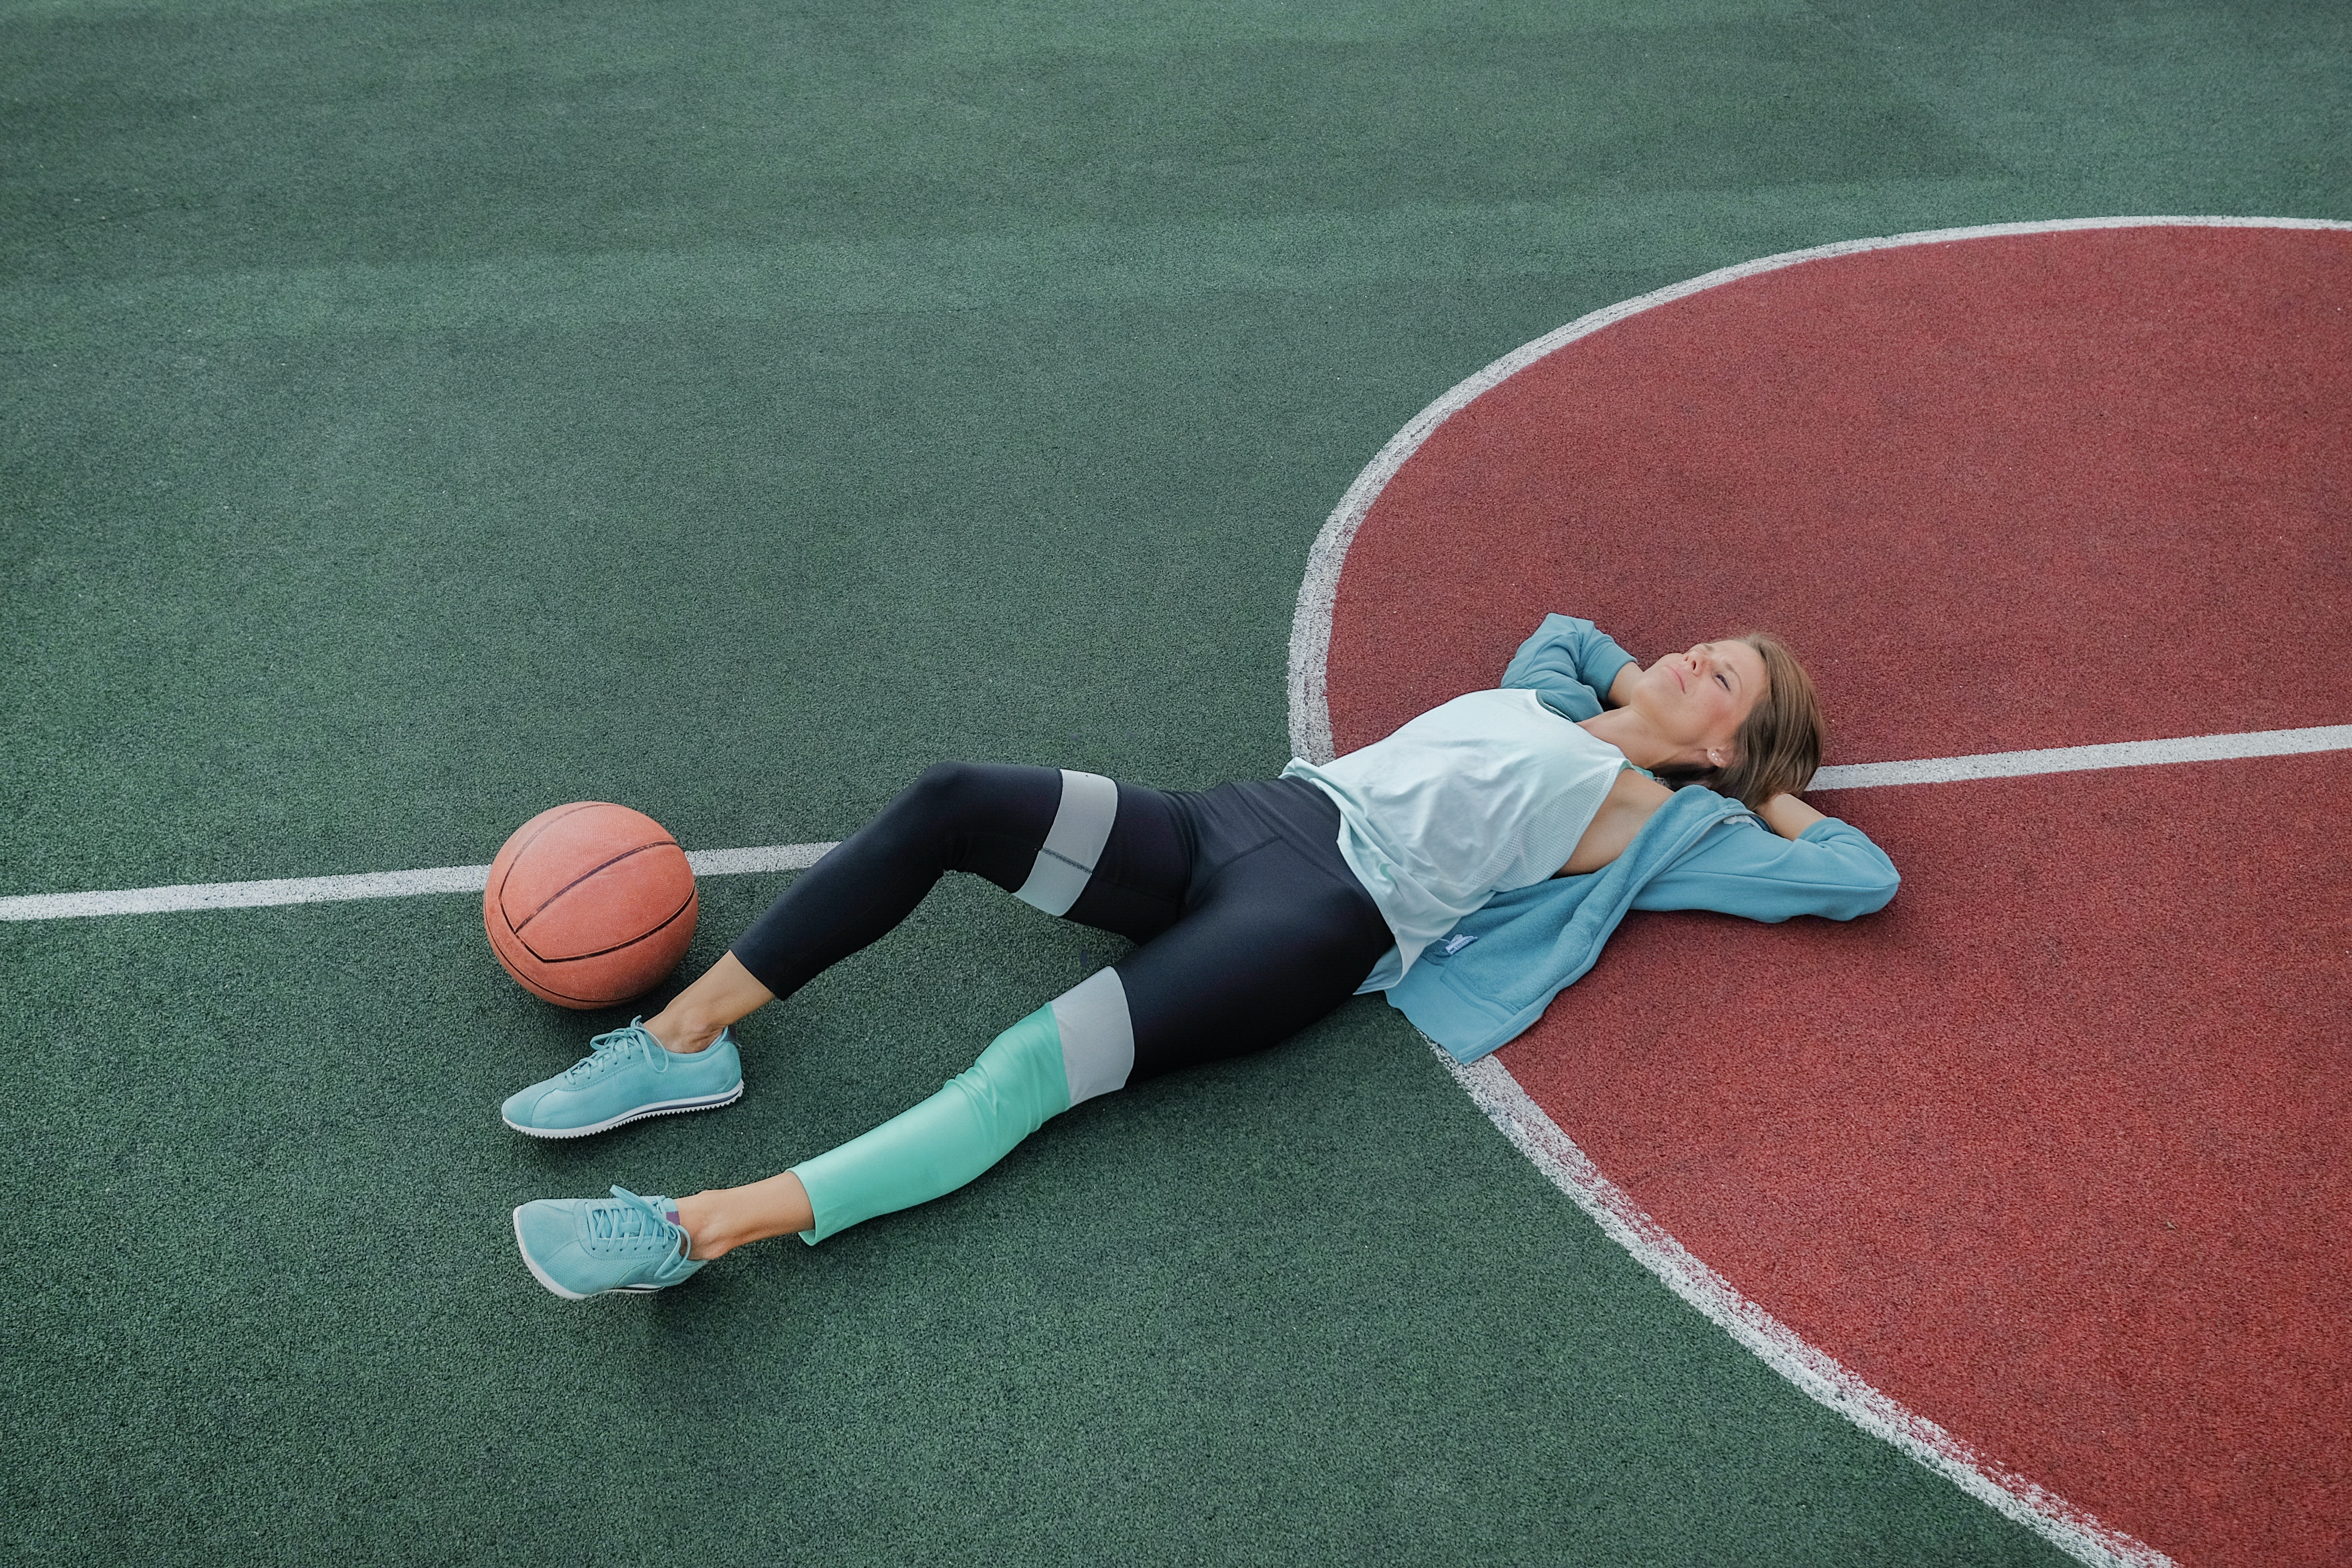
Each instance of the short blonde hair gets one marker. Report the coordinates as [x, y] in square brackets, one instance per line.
[1779, 744]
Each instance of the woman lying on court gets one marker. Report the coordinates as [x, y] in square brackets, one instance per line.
[1470, 865]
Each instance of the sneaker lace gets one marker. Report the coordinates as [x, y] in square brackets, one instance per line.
[608, 1051]
[633, 1219]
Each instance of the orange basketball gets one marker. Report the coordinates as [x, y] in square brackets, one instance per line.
[590, 904]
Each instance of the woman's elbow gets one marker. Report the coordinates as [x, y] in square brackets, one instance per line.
[1864, 889]
[1877, 892]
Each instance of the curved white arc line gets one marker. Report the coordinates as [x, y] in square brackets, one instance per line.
[1819, 1375]
[1310, 623]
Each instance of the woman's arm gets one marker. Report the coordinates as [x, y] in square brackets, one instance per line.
[1831, 869]
[1789, 816]
[1570, 663]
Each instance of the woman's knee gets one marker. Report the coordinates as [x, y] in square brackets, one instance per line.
[983, 818]
[946, 797]
[940, 787]
[956, 788]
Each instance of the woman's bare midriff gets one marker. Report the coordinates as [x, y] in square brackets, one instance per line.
[1632, 801]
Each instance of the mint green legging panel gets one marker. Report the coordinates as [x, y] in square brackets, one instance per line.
[936, 1146]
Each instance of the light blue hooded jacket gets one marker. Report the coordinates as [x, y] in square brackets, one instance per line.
[1493, 973]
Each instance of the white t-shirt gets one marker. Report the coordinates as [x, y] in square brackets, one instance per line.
[1483, 794]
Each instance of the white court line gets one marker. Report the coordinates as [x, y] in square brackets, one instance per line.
[800, 857]
[2076, 759]
[367, 885]
[767, 858]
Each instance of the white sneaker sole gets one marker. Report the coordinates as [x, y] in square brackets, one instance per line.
[658, 1108]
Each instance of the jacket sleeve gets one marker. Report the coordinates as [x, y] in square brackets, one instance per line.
[1742, 867]
[1568, 663]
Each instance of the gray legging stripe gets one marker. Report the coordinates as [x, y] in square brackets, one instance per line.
[1082, 826]
[1097, 1035]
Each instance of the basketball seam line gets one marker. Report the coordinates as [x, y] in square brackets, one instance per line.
[668, 920]
[567, 887]
[554, 816]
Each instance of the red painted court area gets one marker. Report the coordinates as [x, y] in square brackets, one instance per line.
[2055, 1150]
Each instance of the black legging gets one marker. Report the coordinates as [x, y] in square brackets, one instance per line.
[1250, 925]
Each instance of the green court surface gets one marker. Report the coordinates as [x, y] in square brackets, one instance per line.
[418, 416]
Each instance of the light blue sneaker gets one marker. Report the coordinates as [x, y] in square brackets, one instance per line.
[627, 1075]
[579, 1247]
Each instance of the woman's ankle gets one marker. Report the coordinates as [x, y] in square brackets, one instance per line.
[700, 1014]
[706, 1232]
[718, 1221]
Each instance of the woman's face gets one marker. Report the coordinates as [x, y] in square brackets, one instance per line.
[1698, 700]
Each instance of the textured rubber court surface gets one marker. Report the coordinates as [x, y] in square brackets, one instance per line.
[418, 416]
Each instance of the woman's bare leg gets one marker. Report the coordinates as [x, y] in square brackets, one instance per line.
[721, 1220]
[695, 1016]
